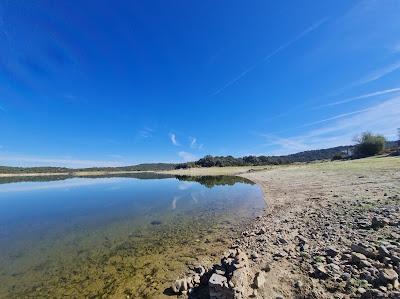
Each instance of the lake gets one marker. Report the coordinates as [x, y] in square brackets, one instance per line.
[114, 237]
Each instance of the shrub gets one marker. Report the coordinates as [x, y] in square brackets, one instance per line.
[337, 156]
[368, 145]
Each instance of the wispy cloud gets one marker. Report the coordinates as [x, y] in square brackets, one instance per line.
[379, 73]
[146, 132]
[271, 54]
[360, 97]
[194, 144]
[187, 157]
[382, 118]
[193, 141]
[174, 141]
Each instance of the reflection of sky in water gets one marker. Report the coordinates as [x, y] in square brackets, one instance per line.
[71, 183]
[46, 226]
[40, 208]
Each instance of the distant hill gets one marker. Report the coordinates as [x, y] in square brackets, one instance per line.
[209, 161]
[139, 167]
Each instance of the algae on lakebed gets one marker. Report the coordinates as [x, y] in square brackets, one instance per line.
[124, 248]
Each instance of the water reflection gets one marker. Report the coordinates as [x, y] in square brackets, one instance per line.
[98, 237]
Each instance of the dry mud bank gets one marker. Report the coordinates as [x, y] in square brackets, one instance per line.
[331, 230]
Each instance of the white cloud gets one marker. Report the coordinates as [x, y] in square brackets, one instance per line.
[193, 141]
[381, 118]
[187, 157]
[172, 136]
[194, 144]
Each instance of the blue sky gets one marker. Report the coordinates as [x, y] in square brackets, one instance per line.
[116, 83]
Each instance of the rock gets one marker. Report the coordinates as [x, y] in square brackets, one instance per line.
[254, 255]
[259, 280]
[379, 222]
[298, 284]
[219, 288]
[331, 251]
[217, 280]
[365, 264]
[320, 272]
[196, 279]
[383, 252]
[261, 231]
[361, 290]
[346, 276]
[396, 284]
[364, 249]
[356, 257]
[179, 285]
[388, 275]
[200, 270]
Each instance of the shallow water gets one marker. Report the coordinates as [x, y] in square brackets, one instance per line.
[115, 236]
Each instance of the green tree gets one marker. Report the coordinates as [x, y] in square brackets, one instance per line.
[369, 144]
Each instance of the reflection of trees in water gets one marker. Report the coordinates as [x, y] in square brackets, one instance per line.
[6, 180]
[212, 181]
[139, 175]
[207, 181]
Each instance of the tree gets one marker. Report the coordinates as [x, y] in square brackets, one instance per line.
[398, 136]
[369, 144]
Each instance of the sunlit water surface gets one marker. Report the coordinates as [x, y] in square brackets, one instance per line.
[115, 236]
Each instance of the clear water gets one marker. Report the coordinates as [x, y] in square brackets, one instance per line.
[115, 236]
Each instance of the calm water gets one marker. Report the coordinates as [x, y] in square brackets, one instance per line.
[115, 236]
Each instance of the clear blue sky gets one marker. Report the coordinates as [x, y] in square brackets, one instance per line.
[86, 83]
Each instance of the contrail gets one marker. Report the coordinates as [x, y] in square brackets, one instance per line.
[272, 54]
[364, 96]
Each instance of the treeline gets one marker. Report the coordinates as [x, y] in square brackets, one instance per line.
[306, 156]
[139, 167]
[366, 145]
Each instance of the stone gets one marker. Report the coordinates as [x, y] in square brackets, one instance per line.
[200, 270]
[346, 276]
[331, 251]
[383, 252]
[217, 280]
[320, 272]
[364, 249]
[254, 255]
[365, 264]
[298, 284]
[259, 280]
[361, 290]
[356, 257]
[388, 275]
[179, 285]
[379, 222]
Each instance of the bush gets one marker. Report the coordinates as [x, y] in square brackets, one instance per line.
[369, 145]
[338, 156]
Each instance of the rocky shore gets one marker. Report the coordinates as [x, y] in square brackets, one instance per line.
[331, 230]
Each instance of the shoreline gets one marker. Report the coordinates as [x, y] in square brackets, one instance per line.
[330, 230]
